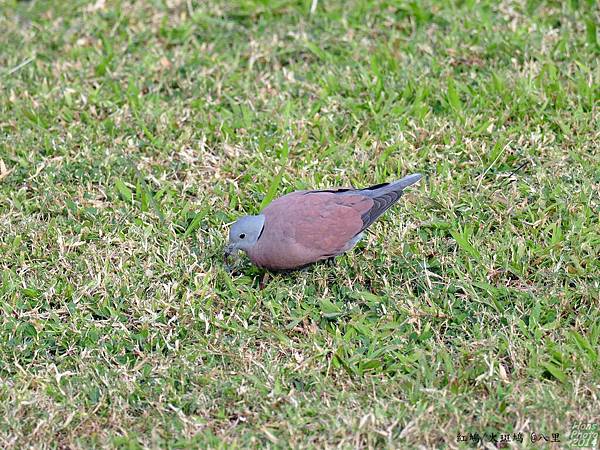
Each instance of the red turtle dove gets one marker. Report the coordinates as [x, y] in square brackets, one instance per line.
[307, 226]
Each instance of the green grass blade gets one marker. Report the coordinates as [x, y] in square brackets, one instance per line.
[274, 186]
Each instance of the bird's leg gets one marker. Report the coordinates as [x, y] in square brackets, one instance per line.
[262, 283]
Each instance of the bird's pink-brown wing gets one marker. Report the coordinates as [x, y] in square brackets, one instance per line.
[304, 227]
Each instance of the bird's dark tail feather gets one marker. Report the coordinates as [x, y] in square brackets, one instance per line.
[399, 185]
[384, 196]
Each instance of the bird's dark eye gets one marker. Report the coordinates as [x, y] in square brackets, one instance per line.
[242, 236]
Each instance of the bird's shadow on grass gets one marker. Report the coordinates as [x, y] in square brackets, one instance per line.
[260, 276]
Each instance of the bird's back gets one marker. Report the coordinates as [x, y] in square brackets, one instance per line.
[308, 226]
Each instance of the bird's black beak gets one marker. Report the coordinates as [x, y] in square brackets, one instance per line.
[228, 251]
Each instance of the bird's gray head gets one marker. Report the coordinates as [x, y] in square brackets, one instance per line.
[244, 233]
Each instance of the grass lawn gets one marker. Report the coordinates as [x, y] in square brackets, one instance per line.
[133, 133]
